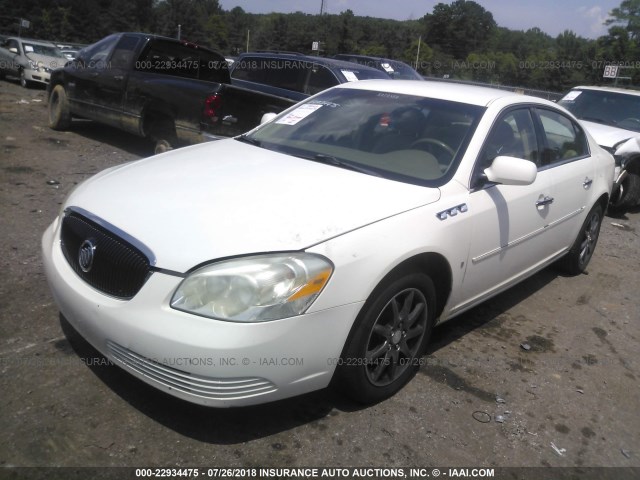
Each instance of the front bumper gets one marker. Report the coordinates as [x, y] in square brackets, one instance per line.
[37, 76]
[204, 361]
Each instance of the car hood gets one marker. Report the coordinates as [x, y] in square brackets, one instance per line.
[46, 60]
[608, 136]
[228, 198]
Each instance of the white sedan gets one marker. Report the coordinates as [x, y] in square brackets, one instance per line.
[325, 244]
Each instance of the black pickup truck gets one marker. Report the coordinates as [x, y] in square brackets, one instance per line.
[172, 92]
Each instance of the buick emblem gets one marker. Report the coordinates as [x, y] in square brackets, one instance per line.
[85, 255]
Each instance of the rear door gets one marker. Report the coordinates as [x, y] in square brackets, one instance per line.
[567, 158]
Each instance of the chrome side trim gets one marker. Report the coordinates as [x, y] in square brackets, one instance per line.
[524, 238]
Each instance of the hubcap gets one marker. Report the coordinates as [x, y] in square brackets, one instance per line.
[396, 337]
[590, 238]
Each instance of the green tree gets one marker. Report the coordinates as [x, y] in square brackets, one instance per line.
[460, 28]
[627, 14]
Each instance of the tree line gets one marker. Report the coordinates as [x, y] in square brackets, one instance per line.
[458, 40]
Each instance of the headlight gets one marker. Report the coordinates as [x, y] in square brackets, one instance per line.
[254, 289]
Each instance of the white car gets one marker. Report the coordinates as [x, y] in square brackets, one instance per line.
[326, 243]
[32, 61]
[612, 116]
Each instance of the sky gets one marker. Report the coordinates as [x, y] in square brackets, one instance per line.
[583, 17]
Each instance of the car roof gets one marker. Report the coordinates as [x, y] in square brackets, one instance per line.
[367, 57]
[455, 92]
[331, 62]
[627, 91]
[32, 40]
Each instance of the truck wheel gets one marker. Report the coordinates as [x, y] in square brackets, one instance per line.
[384, 349]
[163, 133]
[578, 257]
[59, 113]
[162, 146]
[628, 194]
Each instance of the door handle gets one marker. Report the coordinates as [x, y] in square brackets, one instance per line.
[118, 77]
[544, 201]
[587, 182]
[94, 74]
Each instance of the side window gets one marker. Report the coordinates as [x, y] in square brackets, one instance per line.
[513, 135]
[320, 78]
[288, 74]
[170, 58]
[565, 140]
[251, 69]
[96, 55]
[123, 54]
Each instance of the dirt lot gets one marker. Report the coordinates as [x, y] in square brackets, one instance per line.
[482, 400]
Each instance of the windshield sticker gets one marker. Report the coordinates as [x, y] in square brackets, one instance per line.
[388, 68]
[299, 113]
[28, 48]
[571, 96]
[349, 75]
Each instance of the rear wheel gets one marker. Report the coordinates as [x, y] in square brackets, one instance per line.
[59, 113]
[163, 133]
[388, 338]
[578, 257]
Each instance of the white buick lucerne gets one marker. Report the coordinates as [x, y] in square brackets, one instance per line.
[325, 244]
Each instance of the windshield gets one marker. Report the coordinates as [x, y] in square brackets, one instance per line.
[38, 48]
[401, 137]
[609, 108]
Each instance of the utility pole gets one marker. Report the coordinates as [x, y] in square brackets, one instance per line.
[321, 7]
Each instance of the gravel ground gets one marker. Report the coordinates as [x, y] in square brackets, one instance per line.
[482, 399]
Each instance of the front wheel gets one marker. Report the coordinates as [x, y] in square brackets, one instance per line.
[627, 195]
[388, 338]
[59, 113]
[578, 257]
[23, 80]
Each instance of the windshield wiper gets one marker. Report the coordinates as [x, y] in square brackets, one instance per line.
[336, 162]
[251, 141]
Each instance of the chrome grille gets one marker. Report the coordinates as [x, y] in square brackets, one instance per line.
[206, 387]
[117, 267]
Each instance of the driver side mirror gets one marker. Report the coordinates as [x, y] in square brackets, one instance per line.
[13, 50]
[511, 171]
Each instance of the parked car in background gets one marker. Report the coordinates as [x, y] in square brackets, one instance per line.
[325, 244]
[170, 91]
[295, 76]
[612, 116]
[32, 61]
[396, 69]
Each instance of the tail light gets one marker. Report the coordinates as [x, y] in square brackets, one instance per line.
[211, 106]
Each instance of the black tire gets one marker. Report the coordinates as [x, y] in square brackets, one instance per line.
[628, 194]
[59, 113]
[23, 80]
[578, 257]
[388, 339]
[162, 132]
[162, 146]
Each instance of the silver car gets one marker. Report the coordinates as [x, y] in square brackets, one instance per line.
[30, 60]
